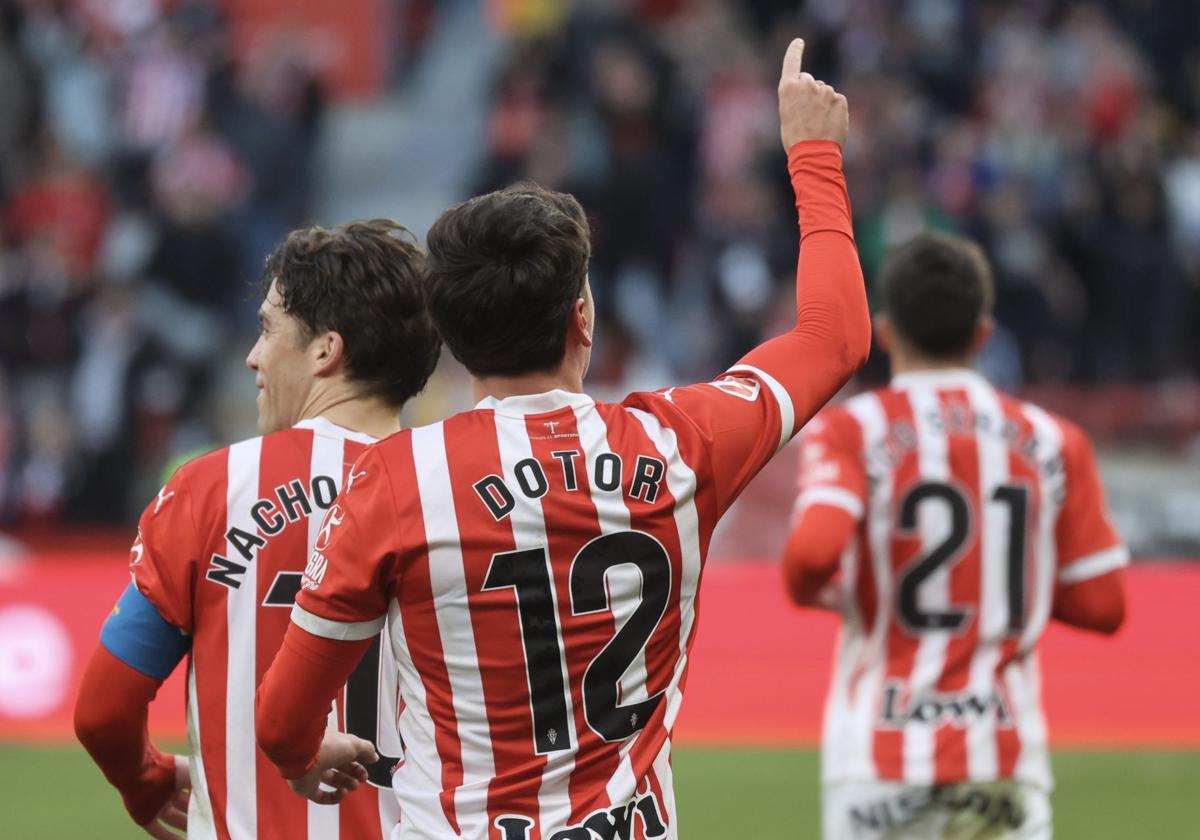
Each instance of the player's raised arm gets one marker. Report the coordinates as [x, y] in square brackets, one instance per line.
[832, 335]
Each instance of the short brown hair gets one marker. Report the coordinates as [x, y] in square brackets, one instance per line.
[365, 281]
[505, 270]
[934, 290]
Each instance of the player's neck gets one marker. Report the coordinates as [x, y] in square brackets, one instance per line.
[368, 415]
[904, 363]
[500, 387]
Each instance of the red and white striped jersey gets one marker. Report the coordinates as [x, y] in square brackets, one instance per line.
[972, 506]
[538, 559]
[220, 553]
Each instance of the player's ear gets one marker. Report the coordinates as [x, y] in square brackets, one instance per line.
[327, 353]
[581, 322]
[884, 334]
[983, 332]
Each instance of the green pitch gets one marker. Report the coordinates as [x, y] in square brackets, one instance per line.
[56, 793]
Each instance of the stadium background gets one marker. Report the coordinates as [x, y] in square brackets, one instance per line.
[152, 151]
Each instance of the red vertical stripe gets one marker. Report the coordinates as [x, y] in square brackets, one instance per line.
[472, 452]
[571, 521]
[210, 645]
[1008, 741]
[419, 619]
[900, 644]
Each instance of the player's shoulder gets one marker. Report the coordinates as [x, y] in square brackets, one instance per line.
[1069, 434]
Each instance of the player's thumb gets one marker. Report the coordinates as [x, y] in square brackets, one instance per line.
[364, 750]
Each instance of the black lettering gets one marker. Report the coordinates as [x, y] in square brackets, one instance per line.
[926, 711]
[244, 541]
[647, 476]
[531, 478]
[496, 496]
[652, 820]
[515, 828]
[576, 833]
[295, 501]
[284, 590]
[225, 572]
[608, 472]
[266, 517]
[973, 703]
[867, 819]
[324, 491]
[568, 456]
[891, 694]
[614, 824]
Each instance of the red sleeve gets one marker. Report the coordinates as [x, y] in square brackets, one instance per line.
[814, 550]
[747, 415]
[1097, 603]
[831, 465]
[293, 700]
[1088, 545]
[110, 722]
[347, 583]
[165, 555]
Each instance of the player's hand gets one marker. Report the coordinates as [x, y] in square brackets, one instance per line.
[339, 768]
[808, 109]
[174, 813]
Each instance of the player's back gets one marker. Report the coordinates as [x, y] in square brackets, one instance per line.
[221, 554]
[973, 506]
[544, 599]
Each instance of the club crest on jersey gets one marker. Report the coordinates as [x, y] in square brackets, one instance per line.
[616, 823]
[742, 387]
[332, 520]
[314, 572]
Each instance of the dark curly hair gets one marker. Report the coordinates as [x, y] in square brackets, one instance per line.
[505, 271]
[365, 281]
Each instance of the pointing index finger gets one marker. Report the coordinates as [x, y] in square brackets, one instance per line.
[792, 60]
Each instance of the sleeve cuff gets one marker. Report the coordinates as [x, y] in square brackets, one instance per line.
[1094, 565]
[787, 413]
[837, 497]
[338, 631]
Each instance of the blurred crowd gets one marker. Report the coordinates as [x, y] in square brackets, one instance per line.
[1062, 135]
[148, 163]
[144, 174]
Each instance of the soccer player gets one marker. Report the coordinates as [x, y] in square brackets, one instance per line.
[538, 558]
[961, 520]
[346, 341]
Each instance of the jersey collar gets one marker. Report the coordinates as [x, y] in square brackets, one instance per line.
[939, 378]
[523, 404]
[323, 426]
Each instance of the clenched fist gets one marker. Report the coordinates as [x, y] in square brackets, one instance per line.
[808, 109]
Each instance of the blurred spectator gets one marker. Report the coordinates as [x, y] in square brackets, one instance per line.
[145, 168]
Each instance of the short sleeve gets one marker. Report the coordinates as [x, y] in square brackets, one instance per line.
[166, 553]
[1088, 543]
[831, 465]
[742, 419]
[345, 589]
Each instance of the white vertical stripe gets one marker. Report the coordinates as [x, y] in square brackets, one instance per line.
[241, 788]
[681, 482]
[388, 734]
[933, 525]
[201, 825]
[529, 531]
[613, 516]
[1023, 678]
[666, 782]
[327, 458]
[420, 773]
[1050, 445]
[982, 762]
[448, 580]
[850, 753]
